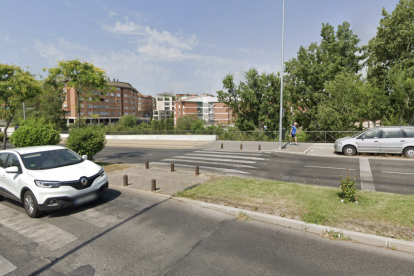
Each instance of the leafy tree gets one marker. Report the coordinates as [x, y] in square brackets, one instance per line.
[35, 132]
[84, 77]
[128, 121]
[190, 122]
[48, 105]
[169, 124]
[89, 141]
[16, 86]
[316, 65]
[255, 101]
[391, 61]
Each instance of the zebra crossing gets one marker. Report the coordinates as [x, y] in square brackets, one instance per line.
[222, 161]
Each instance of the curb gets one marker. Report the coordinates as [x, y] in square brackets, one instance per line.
[363, 238]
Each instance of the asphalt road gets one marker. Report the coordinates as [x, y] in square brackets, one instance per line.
[388, 175]
[138, 233]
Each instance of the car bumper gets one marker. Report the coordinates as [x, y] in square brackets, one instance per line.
[55, 203]
[338, 148]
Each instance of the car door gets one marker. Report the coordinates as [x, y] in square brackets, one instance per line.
[3, 159]
[369, 141]
[392, 140]
[11, 180]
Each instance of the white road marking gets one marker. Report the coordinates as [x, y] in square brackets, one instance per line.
[367, 182]
[213, 163]
[6, 266]
[397, 172]
[201, 167]
[329, 168]
[41, 232]
[226, 156]
[235, 153]
[96, 217]
[216, 159]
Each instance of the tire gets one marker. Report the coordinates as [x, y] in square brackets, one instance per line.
[349, 150]
[409, 152]
[30, 205]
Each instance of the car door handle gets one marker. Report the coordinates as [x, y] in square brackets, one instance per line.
[4, 176]
[376, 141]
[402, 141]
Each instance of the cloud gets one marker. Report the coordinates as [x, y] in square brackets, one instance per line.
[112, 13]
[48, 50]
[7, 39]
[251, 51]
[127, 28]
[72, 46]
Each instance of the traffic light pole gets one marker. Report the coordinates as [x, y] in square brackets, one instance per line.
[281, 82]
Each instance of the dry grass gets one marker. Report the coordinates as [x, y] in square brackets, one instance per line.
[111, 167]
[376, 213]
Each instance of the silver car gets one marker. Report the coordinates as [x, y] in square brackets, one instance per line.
[393, 139]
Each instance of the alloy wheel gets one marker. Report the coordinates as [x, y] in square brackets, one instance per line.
[28, 203]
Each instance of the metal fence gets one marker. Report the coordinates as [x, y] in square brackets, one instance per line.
[266, 136]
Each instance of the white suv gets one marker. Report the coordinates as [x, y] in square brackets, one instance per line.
[49, 177]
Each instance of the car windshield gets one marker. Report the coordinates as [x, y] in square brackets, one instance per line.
[50, 159]
[359, 133]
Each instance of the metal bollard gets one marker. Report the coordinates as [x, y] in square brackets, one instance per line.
[241, 146]
[125, 180]
[260, 147]
[197, 170]
[146, 165]
[172, 167]
[221, 145]
[153, 185]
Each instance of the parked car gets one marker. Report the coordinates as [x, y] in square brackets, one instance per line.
[49, 177]
[392, 139]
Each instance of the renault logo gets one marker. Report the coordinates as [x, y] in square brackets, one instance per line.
[84, 181]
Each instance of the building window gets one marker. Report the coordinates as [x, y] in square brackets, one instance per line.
[167, 104]
[118, 94]
[126, 102]
[89, 99]
[89, 106]
[126, 107]
[81, 105]
[112, 101]
[68, 113]
[139, 108]
[103, 106]
[95, 113]
[119, 113]
[95, 106]
[107, 100]
[65, 106]
[133, 113]
[139, 103]
[112, 113]
[126, 113]
[139, 98]
[125, 95]
[133, 108]
[103, 113]
[118, 101]
[167, 108]
[81, 113]
[112, 94]
[89, 113]
[118, 107]
[118, 89]
[95, 92]
[112, 107]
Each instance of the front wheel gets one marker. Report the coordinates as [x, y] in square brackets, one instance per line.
[30, 205]
[349, 151]
[409, 152]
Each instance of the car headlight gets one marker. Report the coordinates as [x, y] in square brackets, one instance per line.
[338, 143]
[102, 172]
[47, 184]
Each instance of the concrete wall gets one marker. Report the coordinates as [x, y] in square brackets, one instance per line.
[158, 137]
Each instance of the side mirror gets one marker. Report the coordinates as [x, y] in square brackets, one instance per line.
[85, 157]
[363, 137]
[12, 170]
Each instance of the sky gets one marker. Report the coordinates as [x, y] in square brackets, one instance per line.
[179, 46]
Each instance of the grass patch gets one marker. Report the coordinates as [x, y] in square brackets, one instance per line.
[376, 213]
[111, 167]
[242, 216]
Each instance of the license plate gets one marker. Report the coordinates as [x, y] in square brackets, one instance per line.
[85, 199]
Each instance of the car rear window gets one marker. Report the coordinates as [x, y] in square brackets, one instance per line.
[392, 133]
[409, 132]
[50, 159]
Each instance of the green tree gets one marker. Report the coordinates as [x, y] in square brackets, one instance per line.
[84, 77]
[86, 141]
[48, 105]
[16, 86]
[128, 121]
[35, 132]
[255, 101]
[189, 122]
[391, 61]
[316, 65]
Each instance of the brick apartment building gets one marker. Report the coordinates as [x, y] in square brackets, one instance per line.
[124, 100]
[207, 108]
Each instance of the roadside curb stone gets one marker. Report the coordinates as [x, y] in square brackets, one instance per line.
[363, 238]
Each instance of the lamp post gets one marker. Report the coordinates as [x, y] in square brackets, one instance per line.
[24, 111]
[281, 82]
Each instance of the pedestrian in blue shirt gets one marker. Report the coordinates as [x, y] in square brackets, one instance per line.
[293, 133]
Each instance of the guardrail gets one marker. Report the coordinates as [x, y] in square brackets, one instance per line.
[266, 136]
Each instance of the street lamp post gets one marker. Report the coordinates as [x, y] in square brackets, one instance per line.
[24, 111]
[281, 82]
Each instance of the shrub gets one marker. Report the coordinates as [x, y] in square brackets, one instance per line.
[87, 141]
[348, 188]
[35, 132]
[128, 121]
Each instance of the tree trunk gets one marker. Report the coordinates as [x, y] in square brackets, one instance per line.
[5, 133]
[411, 119]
